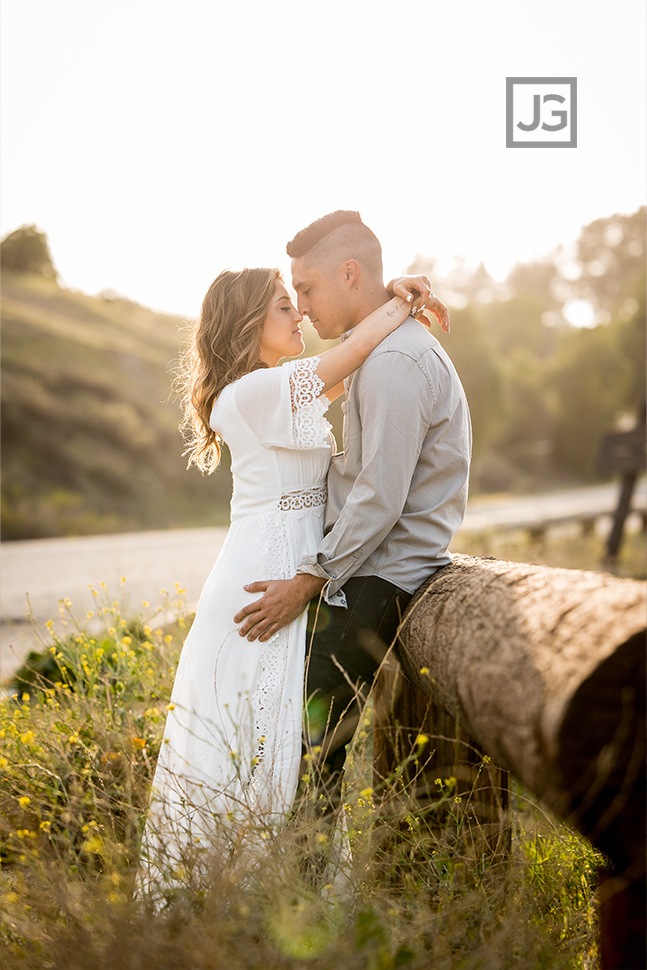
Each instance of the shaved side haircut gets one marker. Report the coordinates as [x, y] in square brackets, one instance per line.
[335, 238]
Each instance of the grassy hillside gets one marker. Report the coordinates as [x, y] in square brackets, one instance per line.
[89, 434]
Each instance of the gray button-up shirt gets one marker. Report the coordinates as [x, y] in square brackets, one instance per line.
[397, 493]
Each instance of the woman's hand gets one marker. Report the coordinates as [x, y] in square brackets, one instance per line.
[439, 310]
[418, 290]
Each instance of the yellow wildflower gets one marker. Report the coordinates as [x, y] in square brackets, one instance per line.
[93, 845]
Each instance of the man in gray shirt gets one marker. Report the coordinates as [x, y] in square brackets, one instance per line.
[396, 494]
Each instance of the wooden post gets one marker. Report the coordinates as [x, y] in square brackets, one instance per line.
[623, 452]
[620, 515]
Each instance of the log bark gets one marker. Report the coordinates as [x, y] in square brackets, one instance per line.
[545, 669]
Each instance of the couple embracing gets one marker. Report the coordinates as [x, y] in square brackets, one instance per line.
[324, 550]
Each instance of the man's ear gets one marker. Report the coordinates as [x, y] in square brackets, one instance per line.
[350, 272]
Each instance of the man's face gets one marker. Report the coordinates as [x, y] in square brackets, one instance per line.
[322, 298]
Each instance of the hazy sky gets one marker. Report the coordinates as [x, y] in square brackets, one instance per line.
[157, 142]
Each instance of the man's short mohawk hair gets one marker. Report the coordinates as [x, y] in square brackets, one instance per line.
[305, 240]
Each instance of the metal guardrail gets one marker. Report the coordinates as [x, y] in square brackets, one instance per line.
[534, 523]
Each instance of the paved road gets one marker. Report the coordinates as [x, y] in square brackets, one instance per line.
[37, 573]
[47, 570]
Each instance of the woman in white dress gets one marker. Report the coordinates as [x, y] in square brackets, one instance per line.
[228, 768]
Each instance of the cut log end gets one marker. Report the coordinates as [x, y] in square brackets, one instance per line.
[601, 755]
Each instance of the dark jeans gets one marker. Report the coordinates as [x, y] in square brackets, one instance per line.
[344, 649]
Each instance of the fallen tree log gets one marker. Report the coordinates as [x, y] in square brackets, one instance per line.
[545, 668]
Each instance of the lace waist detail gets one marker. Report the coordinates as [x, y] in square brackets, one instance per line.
[305, 498]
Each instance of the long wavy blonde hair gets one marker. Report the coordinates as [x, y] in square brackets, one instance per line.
[223, 345]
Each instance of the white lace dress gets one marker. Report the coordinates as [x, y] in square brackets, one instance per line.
[232, 743]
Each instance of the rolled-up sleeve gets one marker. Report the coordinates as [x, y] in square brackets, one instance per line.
[396, 403]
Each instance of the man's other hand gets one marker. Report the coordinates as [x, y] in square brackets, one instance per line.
[282, 602]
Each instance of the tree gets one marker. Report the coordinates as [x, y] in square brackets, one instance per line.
[611, 253]
[592, 382]
[26, 250]
[537, 279]
[478, 366]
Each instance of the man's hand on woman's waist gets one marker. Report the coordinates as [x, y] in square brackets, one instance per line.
[282, 602]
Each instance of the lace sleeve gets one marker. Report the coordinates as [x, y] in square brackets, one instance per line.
[284, 406]
[310, 428]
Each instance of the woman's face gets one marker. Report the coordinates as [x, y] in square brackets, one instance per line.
[281, 333]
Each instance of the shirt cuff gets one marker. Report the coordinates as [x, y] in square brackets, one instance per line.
[310, 566]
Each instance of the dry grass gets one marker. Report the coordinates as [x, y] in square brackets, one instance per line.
[566, 546]
[78, 750]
